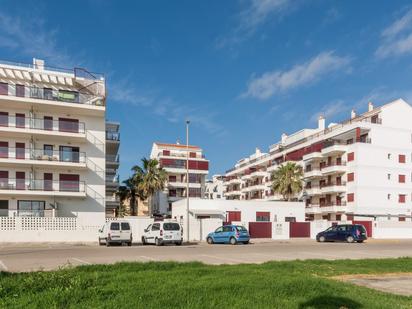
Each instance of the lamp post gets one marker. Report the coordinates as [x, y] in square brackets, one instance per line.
[187, 179]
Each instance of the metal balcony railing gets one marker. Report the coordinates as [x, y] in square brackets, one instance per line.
[49, 94]
[331, 184]
[111, 158]
[42, 155]
[42, 124]
[42, 185]
[112, 136]
[329, 204]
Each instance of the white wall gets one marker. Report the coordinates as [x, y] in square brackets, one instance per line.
[392, 229]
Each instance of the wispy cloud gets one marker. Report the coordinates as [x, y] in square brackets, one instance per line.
[254, 14]
[29, 37]
[397, 37]
[273, 82]
[331, 110]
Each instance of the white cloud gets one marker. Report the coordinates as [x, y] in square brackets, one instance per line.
[331, 110]
[397, 37]
[29, 37]
[273, 82]
[256, 13]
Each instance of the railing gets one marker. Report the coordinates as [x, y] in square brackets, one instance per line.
[182, 155]
[49, 94]
[42, 155]
[42, 185]
[342, 163]
[113, 158]
[329, 204]
[42, 124]
[331, 184]
[112, 136]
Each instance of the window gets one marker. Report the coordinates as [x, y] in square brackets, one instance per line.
[69, 154]
[401, 178]
[262, 216]
[125, 226]
[69, 125]
[48, 150]
[48, 93]
[401, 198]
[342, 228]
[192, 154]
[48, 123]
[156, 227]
[20, 120]
[115, 226]
[20, 91]
[166, 152]
[290, 219]
[20, 152]
[227, 229]
[69, 182]
[338, 217]
[402, 158]
[401, 218]
[171, 226]
[4, 88]
[350, 197]
[4, 119]
[351, 177]
[31, 208]
[389, 196]
[68, 96]
[351, 156]
[389, 176]
[172, 178]
[4, 149]
[219, 230]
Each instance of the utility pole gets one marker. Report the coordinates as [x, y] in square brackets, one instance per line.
[187, 179]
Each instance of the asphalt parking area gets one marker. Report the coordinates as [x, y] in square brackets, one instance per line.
[30, 257]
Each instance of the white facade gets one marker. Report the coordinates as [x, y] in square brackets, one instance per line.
[359, 169]
[206, 215]
[172, 158]
[52, 143]
[214, 188]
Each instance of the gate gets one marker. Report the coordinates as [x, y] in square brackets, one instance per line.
[260, 229]
[299, 229]
[367, 225]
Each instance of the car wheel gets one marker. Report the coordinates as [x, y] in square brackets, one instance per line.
[246, 242]
[209, 240]
[144, 241]
[107, 243]
[129, 243]
[157, 242]
[322, 239]
[360, 241]
[233, 241]
[350, 239]
[179, 243]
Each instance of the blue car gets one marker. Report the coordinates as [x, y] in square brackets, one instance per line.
[344, 232]
[229, 234]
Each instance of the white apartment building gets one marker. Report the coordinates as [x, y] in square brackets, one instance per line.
[112, 166]
[172, 158]
[359, 169]
[52, 142]
[214, 188]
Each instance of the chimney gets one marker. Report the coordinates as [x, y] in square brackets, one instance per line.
[370, 106]
[257, 150]
[284, 137]
[321, 122]
[177, 142]
[352, 114]
[38, 64]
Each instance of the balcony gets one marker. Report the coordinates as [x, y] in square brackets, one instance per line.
[334, 148]
[272, 168]
[25, 95]
[180, 184]
[42, 187]
[312, 173]
[333, 207]
[24, 126]
[333, 187]
[233, 193]
[314, 190]
[312, 156]
[233, 181]
[334, 168]
[112, 136]
[254, 187]
[112, 160]
[42, 157]
[258, 174]
[246, 177]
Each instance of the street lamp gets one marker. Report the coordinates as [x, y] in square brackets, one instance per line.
[187, 179]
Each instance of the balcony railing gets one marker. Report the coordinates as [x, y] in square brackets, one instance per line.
[42, 155]
[42, 185]
[329, 204]
[342, 163]
[42, 124]
[111, 158]
[112, 136]
[331, 184]
[49, 94]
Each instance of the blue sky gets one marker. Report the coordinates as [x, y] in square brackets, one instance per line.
[242, 71]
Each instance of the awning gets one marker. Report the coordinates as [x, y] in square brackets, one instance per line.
[206, 212]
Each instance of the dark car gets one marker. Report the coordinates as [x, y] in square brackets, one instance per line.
[344, 232]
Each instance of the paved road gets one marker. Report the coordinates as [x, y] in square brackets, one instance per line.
[30, 257]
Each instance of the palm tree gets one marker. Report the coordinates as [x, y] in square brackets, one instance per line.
[153, 179]
[287, 180]
[129, 191]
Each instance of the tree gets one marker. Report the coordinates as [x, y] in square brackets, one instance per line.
[130, 191]
[287, 180]
[153, 179]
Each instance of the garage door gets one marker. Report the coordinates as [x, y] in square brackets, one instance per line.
[299, 229]
[367, 225]
[260, 229]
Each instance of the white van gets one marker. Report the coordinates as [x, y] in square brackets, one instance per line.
[159, 233]
[115, 232]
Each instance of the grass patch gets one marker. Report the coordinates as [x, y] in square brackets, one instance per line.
[292, 284]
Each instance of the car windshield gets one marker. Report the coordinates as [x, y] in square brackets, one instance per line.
[241, 228]
[171, 226]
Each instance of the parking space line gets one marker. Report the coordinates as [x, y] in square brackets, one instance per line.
[3, 266]
[81, 261]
